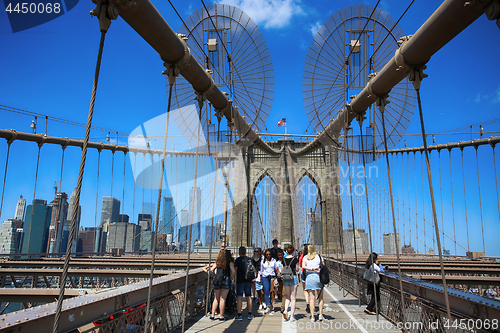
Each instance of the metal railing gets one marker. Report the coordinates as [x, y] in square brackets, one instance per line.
[424, 307]
[118, 309]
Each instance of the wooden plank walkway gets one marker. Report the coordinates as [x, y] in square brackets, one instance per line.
[341, 313]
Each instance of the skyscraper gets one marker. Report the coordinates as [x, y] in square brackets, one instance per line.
[149, 208]
[9, 237]
[196, 208]
[390, 244]
[110, 211]
[20, 209]
[71, 209]
[168, 218]
[362, 245]
[58, 223]
[122, 235]
[36, 227]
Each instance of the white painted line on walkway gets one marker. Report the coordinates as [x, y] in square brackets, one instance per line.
[288, 326]
[361, 328]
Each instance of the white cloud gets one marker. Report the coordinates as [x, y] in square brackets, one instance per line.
[494, 97]
[268, 13]
[315, 27]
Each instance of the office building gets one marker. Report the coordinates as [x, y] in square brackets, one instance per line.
[361, 238]
[86, 239]
[390, 244]
[36, 227]
[215, 235]
[110, 211]
[407, 249]
[71, 209]
[149, 208]
[20, 209]
[146, 241]
[168, 218]
[145, 219]
[123, 218]
[9, 237]
[58, 223]
[123, 235]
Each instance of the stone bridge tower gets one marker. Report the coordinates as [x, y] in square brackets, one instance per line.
[286, 170]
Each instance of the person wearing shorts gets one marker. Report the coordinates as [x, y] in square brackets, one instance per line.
[290, 286]
[311, 264]
[243, 286]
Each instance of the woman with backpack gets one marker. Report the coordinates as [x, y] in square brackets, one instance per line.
[290, 282]
[311, 264]
[303, 276]
[268, 270]
[223, 271]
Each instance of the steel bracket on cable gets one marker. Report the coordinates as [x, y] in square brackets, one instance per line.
[399, 57]
[371, 94]
[172, 72]
[184, 61]
[382, 102]
[107, 11]
[492, 11]
[13, 137]
[417, 75]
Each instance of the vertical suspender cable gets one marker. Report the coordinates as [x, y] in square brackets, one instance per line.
[216, 167]
[96, 202]
[5, 176]
[382, 103]
[409, 198]
[133, 195]
[465, 200]
[79, 185]
[123, 194]
[480, 202]
[441, 195]
[424, 222]
[346, 140]
[416, 200]
[194, 197]
[496, 181]
[360, 121]
[112, 171]
[34, 193]
[155, 233]
[418, 77]
[452, 203]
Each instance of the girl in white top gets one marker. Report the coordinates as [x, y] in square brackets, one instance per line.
[268, 269]
[311, 264]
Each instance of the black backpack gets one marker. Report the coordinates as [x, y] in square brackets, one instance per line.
[324, 273]
[219, 277]
[249, 269]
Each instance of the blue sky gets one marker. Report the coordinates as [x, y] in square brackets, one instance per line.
[49, 69]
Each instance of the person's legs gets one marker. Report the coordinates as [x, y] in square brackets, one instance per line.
[266, 284]
[320, 302]
[239, 297]
[311, 302]
[293, 297]
[222, 302]
[215, 303]
[260, 295]
[272, 292]
[280, 290]
[283, 297]
[306, 294]
[248, 294]
[288, 292]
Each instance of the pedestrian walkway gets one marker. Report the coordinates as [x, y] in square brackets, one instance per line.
[341, 313]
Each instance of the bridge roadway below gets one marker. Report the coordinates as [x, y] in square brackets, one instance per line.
[341, 313]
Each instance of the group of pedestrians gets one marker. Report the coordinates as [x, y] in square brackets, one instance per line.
[267, 276]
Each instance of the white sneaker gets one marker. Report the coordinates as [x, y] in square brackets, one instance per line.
[312, 320]
[293, 320]
[320, 318]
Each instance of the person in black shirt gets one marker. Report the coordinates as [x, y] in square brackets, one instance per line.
[274, 249]
[291, 286]
[242, 284]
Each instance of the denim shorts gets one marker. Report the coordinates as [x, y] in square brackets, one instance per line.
[225, 285]
[291, 283]
[244, 287]
[258, 285]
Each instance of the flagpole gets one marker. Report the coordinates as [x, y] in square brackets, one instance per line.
[285, 129]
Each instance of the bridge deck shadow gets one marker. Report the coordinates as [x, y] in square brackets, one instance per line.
[336, 318]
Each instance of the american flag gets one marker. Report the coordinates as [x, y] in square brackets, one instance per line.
[282, 122]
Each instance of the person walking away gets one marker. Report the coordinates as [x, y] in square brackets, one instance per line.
[245, 274]
[281, 290]
[268, 270]
[290, 286]
[223, 271]
[311, 264]
[370, 309]
[303, 276]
